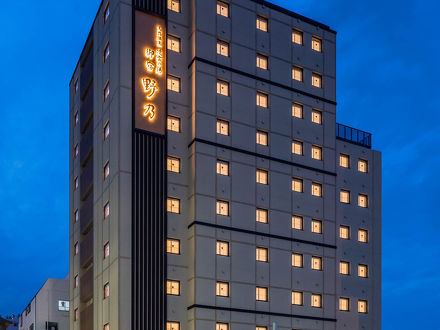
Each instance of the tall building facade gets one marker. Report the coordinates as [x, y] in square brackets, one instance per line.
[211, 187]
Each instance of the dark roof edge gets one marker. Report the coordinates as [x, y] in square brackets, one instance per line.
[293, 14]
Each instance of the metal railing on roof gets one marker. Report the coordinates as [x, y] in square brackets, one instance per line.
[353, 135]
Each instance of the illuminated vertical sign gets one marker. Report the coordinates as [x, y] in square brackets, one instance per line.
[149, 73]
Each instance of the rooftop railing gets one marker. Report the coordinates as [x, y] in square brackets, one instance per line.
[353, 135]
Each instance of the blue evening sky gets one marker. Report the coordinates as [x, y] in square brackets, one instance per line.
[387, 84]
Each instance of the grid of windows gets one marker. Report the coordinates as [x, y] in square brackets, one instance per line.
[262, 99]
[173, 43]
[173, 164]
[222, 127]
[222, 248]
[222, 289]
[262, 61]
[173, 83]
[222, 208]
[222, 48]
[297, 73]
[173, 246]
[222, 167]
[222, 9]
[173, 205]
[262, 216]
[262, 138]
[262, 254]
[261, 294]
[222, 87]
[173, 124]
[262, 23]
[173, 288]
[174, 5]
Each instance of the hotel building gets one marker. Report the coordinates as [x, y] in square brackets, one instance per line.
[211, 186]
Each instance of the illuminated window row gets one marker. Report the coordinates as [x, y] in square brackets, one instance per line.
[344, 233]
[345, 197]
[344, 305]
[222, 290]
[344, 161]
[344, 269]
[298, 110]
[298, 186]
[298, 75]
[298, 149]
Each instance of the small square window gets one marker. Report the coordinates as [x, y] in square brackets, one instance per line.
[173, 164]
[297, 298]
[173, 43]
[173, 83]
[344, 268]
[222, 248]
[262, 138]
[317, 80]
[222, 48]
[362, 165]
[262, 216]
[316, 300]
[316, 263]
[316, 226]
[222, 127]
[262, 100]
[260, 328]
[106, 170]
[222, 289]
[344, 196]
[297, 110]
[173, 124]
[297, 147]
[262, 61]
[173, 205]
[173, 326]
[297, 37]
[262, 254]
[344, 304]
[106, 91]
[173, 288]
[363, 236]
[316, 117]
[297, 73]
[317, 152]
[297, 260]
[222, 9]
[222, 167]
[106, 250]
[262, 177]
[106, 290]
[316, 189]
[76, 118]
[344, 161]
[106, 130]
[262, 23]
[106, 13]
[344, 232]
[174, 5]
[222, 87]
[261, 294]
[297, 185]
[106, 52]
[76, 249]
[222, 208]
[76, 216]
[106, 210]
[363, 200]
[317, 44]
[362, 306]
[221, 326]
[297, 222]
[173, 246]
[363, 271]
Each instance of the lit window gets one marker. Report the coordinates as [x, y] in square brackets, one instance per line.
[173, 124]
[76, 216]
[316, 116]
[316, 80]
[260, 328]
[222, 48]
[261, 294]
[316, 263]
[222, 9]
[262, 177]
[222, 127]
[262, 138]
[76, 150]
[297, 260]
[262, 61]
[316, 226]
[344, 161]
[363, 235]
[106, 52]
[222, 167]
[363, 200]
[173, 84]
[262, 23]
[297, 298]
[106, 170]
[76, 314]
[317, 189]
[262, 100]
[297, 110]
[316, 300]
[297, 73]
[297, 185]
[106, 210]
[173, 326]
[76, 248]
[362, 306]
[106, 130]
[174, 5]
[222, 208]
[173, 288]
[344, 196]
[76, 281]
[297, 147]
[106, 290]
[106, 250]
[107, 326]
[173, 205]
[222, 87]
[297, 37]
[262, 216]
[221, 326]
[262, 254]
[106, 12]
[76, 85]
[173, 246]
[222, 289]
[297, 222]
[344, 268]
[317, 44]
[362, 270]
[173, 43]
[75, 183]
[76, 118]
[222, 248]
[344, 304]
[317, 152]
[362, 165]
[173, 164]
[106, 91]
[344, 232]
